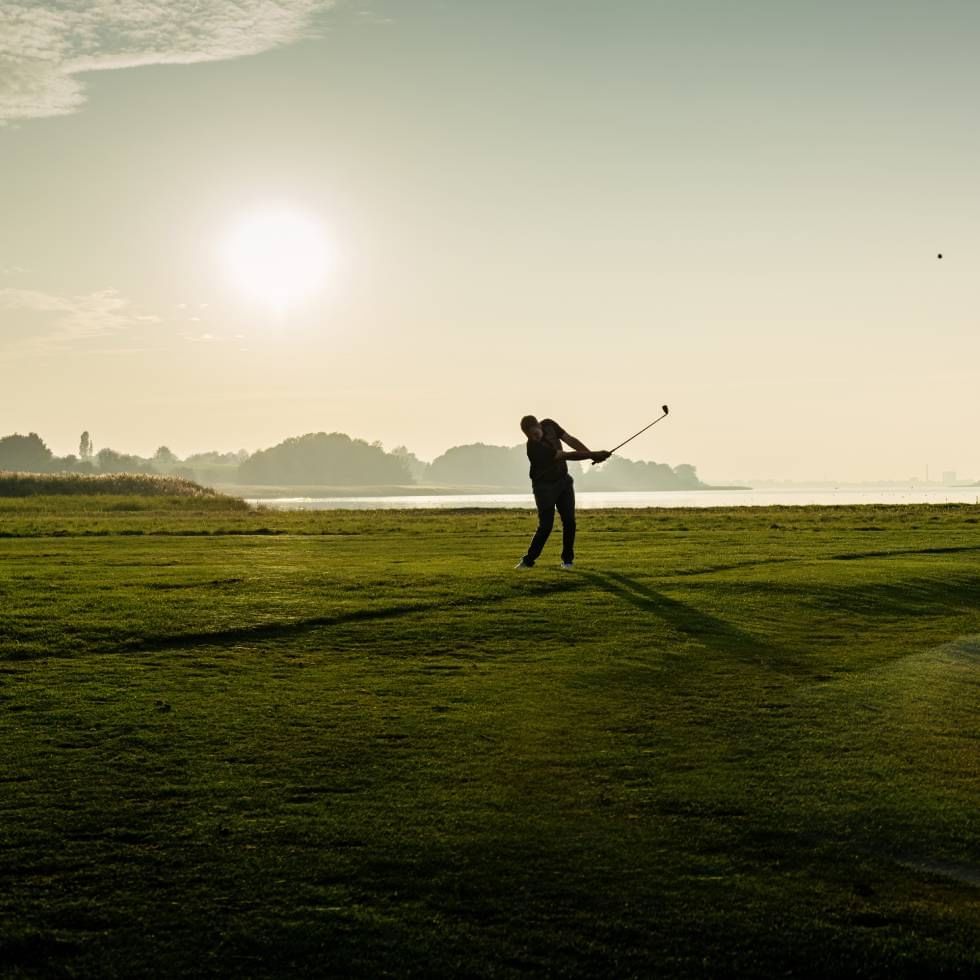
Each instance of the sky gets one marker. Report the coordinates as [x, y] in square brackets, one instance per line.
[580, 209]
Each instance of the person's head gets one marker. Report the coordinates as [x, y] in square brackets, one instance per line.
[531, 427]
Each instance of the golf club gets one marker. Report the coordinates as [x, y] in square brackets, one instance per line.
[640, 433]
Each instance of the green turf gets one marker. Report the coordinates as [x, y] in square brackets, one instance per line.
[731, 742]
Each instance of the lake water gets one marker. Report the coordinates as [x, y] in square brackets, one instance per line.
[663, 498]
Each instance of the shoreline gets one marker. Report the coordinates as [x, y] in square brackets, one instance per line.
[313, 492]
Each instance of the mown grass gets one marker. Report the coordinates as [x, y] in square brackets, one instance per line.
[732, 742]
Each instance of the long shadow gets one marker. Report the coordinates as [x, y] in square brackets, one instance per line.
[948, 550]
[299, 627]
[265, 631]
[843, 556]
[734, 566]
[948, 593]
[716, 634]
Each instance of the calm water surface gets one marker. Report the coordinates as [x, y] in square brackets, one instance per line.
[662, 498]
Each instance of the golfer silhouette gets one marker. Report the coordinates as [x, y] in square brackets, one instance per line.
[552, 484]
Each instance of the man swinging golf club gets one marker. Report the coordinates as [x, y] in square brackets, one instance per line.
[552, 484]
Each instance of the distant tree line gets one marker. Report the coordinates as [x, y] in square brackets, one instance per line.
[626, 474]
[336, 460]
[30, 454]
[325, 460]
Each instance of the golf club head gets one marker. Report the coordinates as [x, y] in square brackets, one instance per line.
[664, 407]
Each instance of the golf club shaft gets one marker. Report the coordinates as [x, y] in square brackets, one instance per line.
[640, 433]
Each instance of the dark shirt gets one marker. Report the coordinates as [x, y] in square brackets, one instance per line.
[544, 467]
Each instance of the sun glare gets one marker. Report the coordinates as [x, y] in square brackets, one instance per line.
[277, 257]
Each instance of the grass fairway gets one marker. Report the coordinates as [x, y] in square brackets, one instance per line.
[731, 742]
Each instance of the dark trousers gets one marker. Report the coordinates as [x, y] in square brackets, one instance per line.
[550, 497]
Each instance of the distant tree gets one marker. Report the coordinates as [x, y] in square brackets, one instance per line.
[85, 446]
[210, 468]
[215, 458]
[109, 461]
[480, 465]
[417, 467]
[72, 464]
[627, 474]
[164, 456]
[687, 475]
[27, 454]
[326, 460]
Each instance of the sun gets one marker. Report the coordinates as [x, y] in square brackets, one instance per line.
[277, 257]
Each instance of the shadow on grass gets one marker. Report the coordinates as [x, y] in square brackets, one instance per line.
[739, 565]
[901, 552]
[266, 631]
[716, 634]
[949, 593]
[288, 630]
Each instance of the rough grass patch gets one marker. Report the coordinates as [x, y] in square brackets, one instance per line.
[14, 484]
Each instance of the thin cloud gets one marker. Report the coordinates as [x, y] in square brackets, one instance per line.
[371, 17]
[45, 47]
[41, 322]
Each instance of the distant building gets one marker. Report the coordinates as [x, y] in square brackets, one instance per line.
[949, 478]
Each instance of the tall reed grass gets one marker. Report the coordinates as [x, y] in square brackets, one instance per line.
[14, 484]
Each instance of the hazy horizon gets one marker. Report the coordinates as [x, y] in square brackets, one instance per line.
[938, 478]
[574, 209]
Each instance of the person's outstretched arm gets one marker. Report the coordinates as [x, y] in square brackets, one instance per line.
[599, 456]
[575, 443]
[581, 450]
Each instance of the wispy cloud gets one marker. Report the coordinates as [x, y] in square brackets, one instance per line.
[40, 322]
[44, 47]
[373, 17]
